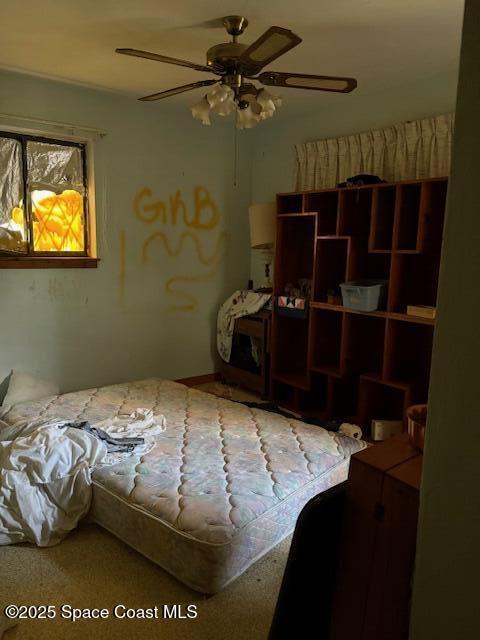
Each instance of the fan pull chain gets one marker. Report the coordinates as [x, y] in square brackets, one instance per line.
[235, 150]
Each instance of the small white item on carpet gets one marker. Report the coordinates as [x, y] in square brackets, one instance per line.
[350, 430]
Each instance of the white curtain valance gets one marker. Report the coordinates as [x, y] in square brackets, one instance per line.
[411, 150]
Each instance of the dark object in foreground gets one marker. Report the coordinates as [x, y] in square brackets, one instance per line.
[304, 602]
[329, 425]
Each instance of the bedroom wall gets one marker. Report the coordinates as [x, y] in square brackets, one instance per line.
[85, 327]
[273, 167]
[445, 598]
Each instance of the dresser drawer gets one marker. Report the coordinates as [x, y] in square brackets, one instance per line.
[249, 327]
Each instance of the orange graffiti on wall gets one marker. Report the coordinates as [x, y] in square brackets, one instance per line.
[205, 218]
[58, 221]
[206, 215]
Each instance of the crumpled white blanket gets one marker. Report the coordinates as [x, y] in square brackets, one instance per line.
[45, 484]
[45, 473]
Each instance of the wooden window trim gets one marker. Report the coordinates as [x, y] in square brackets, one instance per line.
[53, 262]
[35, 260]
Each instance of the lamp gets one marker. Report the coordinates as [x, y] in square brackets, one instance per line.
[262, 219]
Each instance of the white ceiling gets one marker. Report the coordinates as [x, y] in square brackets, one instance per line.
[380, 42]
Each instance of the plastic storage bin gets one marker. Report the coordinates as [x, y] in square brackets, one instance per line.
[364, 295]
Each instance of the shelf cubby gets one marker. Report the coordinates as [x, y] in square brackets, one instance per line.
[407, 215]
[432, 213]
[343, 398]
[364, 342]
[354, 212]
[364, 265]
[290, 351]
[380, 400]
[408, 352]
[382, 219]
[296, 241]
[290, 203]
[314, 402]
[325, 204]
[284, 395]
[414, 281]
[326, 338]
[331, 263]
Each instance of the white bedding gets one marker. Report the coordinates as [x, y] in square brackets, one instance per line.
[45, 472]
[45, 483]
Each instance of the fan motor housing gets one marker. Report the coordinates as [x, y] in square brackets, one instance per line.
[225, 55]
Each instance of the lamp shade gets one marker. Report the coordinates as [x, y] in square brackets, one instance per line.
[262, 225]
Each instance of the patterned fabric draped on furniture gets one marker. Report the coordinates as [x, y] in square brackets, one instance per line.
[411, 150]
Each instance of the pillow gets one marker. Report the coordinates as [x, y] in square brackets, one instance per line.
[4, 386]
[25, 387]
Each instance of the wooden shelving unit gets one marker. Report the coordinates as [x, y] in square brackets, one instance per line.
[342, 363]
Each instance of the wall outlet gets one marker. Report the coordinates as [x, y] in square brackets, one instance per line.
[384, 429]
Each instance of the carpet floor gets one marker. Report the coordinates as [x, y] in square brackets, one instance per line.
[91, 568]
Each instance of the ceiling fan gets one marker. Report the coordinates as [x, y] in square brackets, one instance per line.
[237, 64]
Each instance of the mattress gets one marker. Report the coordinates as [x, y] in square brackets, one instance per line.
[224, 484]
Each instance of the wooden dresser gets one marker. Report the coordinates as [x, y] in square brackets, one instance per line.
[377, 547]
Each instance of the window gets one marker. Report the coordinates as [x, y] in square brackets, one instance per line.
[43, 202]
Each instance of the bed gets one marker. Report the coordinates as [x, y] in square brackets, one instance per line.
[223, 485]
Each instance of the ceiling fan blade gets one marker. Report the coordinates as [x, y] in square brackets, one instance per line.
[215, 23]
[182, 89]
[136, 53]
[305, 81]
[271, 45]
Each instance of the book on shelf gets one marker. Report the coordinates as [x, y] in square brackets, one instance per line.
[422, 311]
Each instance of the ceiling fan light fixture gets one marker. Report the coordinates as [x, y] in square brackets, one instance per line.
[249, 99]
[268, 102]
[220, 93]
[252, 105]
[225, 108]
[221, 100]
[201, 111]
[277, 100]
[265, 114]
[256, 107]
[247, 118]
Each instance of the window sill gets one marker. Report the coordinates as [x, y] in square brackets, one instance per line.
[45, 262]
